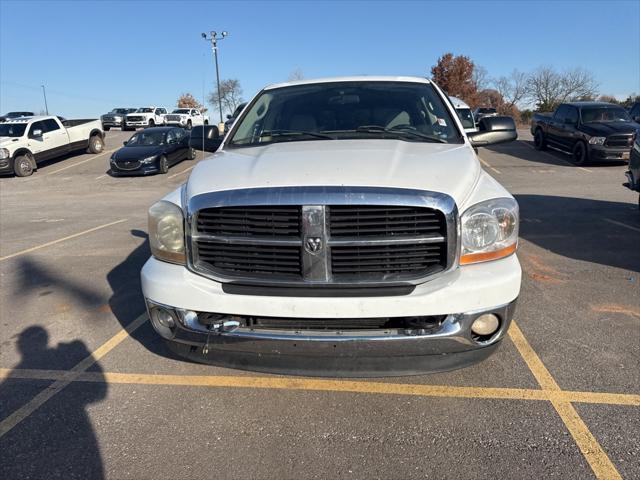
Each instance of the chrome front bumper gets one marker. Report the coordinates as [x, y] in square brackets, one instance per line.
[360, 353]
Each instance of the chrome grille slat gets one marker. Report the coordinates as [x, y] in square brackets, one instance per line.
[261, 235]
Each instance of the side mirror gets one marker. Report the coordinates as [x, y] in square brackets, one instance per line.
[36, 133]
[493, 130]
[124, 143]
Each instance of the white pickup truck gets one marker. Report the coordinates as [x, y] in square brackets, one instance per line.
[145, 117]
[26, 141]
[186, 118]
[353, 233]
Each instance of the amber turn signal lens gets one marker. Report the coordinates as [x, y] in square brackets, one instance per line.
[487, 256]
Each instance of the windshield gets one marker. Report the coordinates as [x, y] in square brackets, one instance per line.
[146, 139]
[487, 110]
[347, 110]
[145, 110]
[18, 114]
[120, 110]
[466, 117]
[12, 129]
[181, 110]
[604, 114]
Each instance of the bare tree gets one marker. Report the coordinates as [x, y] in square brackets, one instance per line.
[230, 95]
[296, 74]
[480, 77]
[512, 88]
[547, 87]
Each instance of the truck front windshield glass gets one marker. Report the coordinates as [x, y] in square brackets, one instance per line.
[146, 139]
[604, 114]
[145, 110]
[12, 130]
[347, 110]
[465, 117]
[120, 110]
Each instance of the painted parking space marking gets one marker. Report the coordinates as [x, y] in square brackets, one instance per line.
[593, 453]
[486, 164]
[310, 384]
[63, 239]
[555, 158]
[620, 224]
[68, 377]
[93, 157]
[180, 173]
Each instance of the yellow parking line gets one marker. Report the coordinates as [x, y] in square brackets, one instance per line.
[297, 383]
[486, 164]
[612, 308]
[48, 244]
[76, 164]
[587, 443]
[68, 376]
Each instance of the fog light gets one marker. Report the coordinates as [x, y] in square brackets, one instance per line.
[486, 324]
[163, 321]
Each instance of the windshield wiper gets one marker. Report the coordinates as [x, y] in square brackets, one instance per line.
[293, 133]
[402, 130]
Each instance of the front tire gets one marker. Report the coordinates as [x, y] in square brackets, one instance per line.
[580, 154]
[151, 124]
[163, 165]
[96, 145]
[539, 141]
[189, 125]
[23, 166]
[106, 129]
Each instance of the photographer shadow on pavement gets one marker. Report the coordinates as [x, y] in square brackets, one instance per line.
[127, 300]
[57, 440]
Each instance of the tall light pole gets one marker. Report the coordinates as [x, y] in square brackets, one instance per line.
[213, 38]
[45, 99]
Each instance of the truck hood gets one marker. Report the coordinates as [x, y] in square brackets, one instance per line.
[447, 168]
[4, 141]
[603, 129]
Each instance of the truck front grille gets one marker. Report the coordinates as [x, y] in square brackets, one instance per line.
[316, 244]
[135, 119]
[173, 118]
[619, 141]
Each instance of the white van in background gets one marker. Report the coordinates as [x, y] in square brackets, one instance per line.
[465, 114]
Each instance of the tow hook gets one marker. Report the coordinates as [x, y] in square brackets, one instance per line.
[219, 327]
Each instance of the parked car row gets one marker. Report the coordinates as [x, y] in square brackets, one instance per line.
[146, 117]
[27, 141]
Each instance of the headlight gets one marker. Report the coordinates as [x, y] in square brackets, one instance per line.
[149, 160]
[597, 140]
[166, 232]
[489, 230]
[4, 153]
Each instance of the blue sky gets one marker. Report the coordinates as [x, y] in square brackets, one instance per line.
[93, 56]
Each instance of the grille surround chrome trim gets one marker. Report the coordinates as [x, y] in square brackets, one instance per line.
[315, 199]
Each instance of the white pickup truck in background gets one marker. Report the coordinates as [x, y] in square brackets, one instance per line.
[145, 117]
[26, 141]
[186, 118]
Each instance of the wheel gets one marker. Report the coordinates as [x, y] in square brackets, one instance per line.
[580, 154]
[189, 125]
[152, 124]
[192, 153]
[163, 164]
[539, 141]
[23, 166]
[206, 122]
[106, 129]
[96, 145]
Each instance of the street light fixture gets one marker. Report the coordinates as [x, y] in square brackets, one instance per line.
[213, 38]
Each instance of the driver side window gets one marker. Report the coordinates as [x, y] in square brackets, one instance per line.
[37, 126]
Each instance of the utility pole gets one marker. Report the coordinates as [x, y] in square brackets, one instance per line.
[213, 38]
[44, 92]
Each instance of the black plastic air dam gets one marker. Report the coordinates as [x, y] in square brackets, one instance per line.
[340, 366]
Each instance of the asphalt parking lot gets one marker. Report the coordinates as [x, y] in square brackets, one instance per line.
[88, 390]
